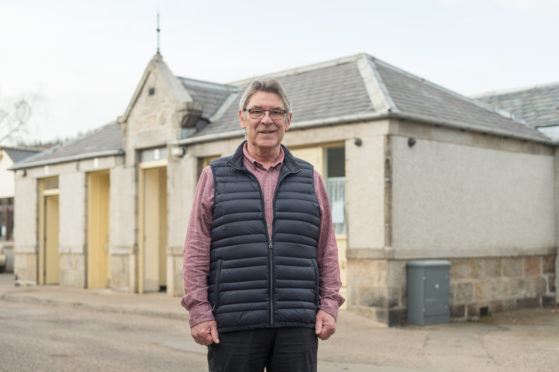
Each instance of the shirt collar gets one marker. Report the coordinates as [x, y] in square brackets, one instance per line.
[253, 161]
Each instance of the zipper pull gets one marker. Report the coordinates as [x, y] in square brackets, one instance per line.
[270, 245]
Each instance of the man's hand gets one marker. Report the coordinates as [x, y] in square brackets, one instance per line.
[325, 325]
[205, 333]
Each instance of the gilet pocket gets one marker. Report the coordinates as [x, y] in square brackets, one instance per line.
[217, 284]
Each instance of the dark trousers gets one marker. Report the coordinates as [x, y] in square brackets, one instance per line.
[277, 349]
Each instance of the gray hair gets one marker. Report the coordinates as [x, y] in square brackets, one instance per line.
[269, 85]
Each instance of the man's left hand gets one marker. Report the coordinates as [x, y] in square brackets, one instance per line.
[325, 325]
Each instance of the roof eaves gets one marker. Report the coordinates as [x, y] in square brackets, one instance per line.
[467, 126]
[100, 154]
[294, 126]
[396, 114]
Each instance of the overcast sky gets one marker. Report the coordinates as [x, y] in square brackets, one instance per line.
[85, 58]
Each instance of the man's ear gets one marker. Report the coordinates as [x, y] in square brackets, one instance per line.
[242, 120]
[288, 122]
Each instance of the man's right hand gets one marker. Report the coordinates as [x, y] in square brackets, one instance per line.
[205, 333]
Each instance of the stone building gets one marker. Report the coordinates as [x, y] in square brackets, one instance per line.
[413, 170]
[8, 156]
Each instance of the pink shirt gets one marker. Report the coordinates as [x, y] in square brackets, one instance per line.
[196, 265]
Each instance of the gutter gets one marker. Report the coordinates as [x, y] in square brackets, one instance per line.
[300, 125]
[464, 126]
[387, 114]
[67, 159]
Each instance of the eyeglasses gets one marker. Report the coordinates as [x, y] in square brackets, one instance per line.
[258, 113]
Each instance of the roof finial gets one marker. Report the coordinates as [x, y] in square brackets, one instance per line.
[158, 30]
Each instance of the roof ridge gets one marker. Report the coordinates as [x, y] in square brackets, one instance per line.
[300, 69]
[372, 80]
[502, 92]
[224, 106]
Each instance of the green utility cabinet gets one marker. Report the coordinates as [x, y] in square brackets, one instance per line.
[428, 292]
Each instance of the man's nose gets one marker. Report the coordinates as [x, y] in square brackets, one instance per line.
[267, 118]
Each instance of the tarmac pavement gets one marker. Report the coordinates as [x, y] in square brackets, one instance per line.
[520, 340]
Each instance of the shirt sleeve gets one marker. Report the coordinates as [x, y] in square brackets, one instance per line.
[327, 254]
[196, 263]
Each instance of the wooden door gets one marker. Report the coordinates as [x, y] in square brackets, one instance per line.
[154, 217]
[98, 263]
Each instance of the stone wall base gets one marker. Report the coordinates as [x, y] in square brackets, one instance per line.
[482, 286]
[479, 286]
[123, 273]
[72, 270]
[25, 268]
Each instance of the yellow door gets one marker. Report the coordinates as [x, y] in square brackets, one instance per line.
[314, 155]
[162, 227]
[98, 269]
[154, 216]
[52, 266]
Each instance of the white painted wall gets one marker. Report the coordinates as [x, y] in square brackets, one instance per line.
[122, 210]
[365, 193]
[25, 215]
[455, 200]
[72, 212]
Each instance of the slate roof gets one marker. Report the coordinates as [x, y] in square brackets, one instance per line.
[210, 95]
[18, 154]
[104, 141]
[422, 98]
[538, 106]
[339, 89]
[324, 92]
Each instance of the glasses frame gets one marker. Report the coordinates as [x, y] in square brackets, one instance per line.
[250, 110]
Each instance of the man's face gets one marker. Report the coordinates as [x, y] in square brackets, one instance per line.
[264, 133]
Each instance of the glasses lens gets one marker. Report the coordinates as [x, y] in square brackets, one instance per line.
[277, 114]
[257, 113]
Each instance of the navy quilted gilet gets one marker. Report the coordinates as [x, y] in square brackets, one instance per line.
[257, 281]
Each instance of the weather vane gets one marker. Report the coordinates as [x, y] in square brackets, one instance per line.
[158, 31]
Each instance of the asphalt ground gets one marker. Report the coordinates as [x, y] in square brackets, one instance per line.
[520, 340]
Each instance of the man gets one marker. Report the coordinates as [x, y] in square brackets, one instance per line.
[261, 267]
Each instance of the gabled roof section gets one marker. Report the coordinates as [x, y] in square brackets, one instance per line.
[538, 106]
[104, 141]
[157, 65]
[210, 95]
[17, 154]
[362, 87]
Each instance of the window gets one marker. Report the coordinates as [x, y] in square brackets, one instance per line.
[6, 219]
[155, 154]
[335, 186]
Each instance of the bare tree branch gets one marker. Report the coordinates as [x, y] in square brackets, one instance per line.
[15, 117]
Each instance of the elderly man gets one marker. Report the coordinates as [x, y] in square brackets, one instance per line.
[261, 267]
